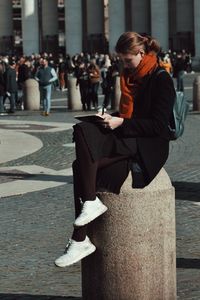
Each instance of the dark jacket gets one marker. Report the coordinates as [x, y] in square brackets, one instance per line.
[153, 107]
[10, 80]
[2, 85]
[179, 66]
[44, 75]
[24, 73]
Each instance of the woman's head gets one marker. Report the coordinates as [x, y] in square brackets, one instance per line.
[131, 48]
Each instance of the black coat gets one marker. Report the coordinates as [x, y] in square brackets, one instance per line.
[153, 108]
[10, 80]
[146, 135]
[2, 85]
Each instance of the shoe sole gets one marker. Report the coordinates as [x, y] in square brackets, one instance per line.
[80, 257]
[98, 214]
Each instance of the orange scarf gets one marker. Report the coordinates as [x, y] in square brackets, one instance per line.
[130, 83]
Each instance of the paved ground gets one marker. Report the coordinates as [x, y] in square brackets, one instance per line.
[36, 205]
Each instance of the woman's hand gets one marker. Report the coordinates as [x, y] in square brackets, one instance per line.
[111, 122]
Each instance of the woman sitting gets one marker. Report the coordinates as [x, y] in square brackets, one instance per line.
[137, 135]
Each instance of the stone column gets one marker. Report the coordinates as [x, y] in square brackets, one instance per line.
[140, 16]
[159, 22]
[95, 16]
[116, 22]
[50, 25]
[30, 26]
[6, 26]
[73, 26]
[197, 27]
[95, 26]
[135, 239]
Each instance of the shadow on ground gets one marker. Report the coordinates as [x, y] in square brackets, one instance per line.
[187, 190]
[188, 263]
[34, 297]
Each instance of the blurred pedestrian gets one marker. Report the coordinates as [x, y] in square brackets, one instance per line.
[2, 88]
[179, 70]
[83, 82]
[24, 73]
[94, 81]
[45, 75]
[11, 84]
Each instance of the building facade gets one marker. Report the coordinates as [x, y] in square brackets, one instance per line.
[73, 26]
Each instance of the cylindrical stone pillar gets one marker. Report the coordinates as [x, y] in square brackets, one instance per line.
[159, 22]
[30, 26]
[73, 26]
[50, 25]
[74, 97]
[197, 27]
[116, 22]
[31, 95]
[196, 94]
[6, 26]
[136, 252]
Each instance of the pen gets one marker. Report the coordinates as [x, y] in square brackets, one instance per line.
[102, 109]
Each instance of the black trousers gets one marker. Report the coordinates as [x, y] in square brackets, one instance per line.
[105, 174]
[91, 176]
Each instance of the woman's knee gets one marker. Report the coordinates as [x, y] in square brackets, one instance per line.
[74, 166]
[77, 132]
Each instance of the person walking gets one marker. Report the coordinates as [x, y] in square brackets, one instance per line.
[94, 80]
[11, 84]
[2, 89]
[45, 75]
[83, 82]
[179, 70]
[24, 73]
[136, 136]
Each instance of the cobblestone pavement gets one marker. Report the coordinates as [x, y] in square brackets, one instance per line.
[36, 224]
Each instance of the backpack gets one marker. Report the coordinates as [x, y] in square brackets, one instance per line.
[180, 110]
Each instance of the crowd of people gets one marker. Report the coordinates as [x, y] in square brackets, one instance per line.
[93, 71]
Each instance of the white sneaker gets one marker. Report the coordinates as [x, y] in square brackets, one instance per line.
[90, 211]
[74, 252]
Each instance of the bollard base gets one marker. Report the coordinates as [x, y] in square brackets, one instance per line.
[135, 239]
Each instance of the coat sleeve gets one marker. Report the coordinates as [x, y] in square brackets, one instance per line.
[161, 97]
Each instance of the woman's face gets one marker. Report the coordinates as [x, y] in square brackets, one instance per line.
[131, 61]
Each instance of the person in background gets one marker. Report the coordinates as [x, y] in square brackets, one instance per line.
[136, 139]
[94, 80]
[2, 88]
[165, 62]
[24, 73]
[45, 75]
[179, 70]
[62, 69]
[108, 85]
[83, 82]
[11, 84]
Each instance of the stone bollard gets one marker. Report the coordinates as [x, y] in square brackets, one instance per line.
[31, 95]
[74, 97]
[136, 248]
[117, 94]
[196, 94]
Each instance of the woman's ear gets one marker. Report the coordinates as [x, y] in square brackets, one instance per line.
[142, 52]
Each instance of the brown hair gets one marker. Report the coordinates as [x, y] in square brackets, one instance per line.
[132, 42]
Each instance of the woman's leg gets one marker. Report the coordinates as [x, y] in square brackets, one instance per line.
[86, 184]
[79, 233]
[87, 168]
[84, 170]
